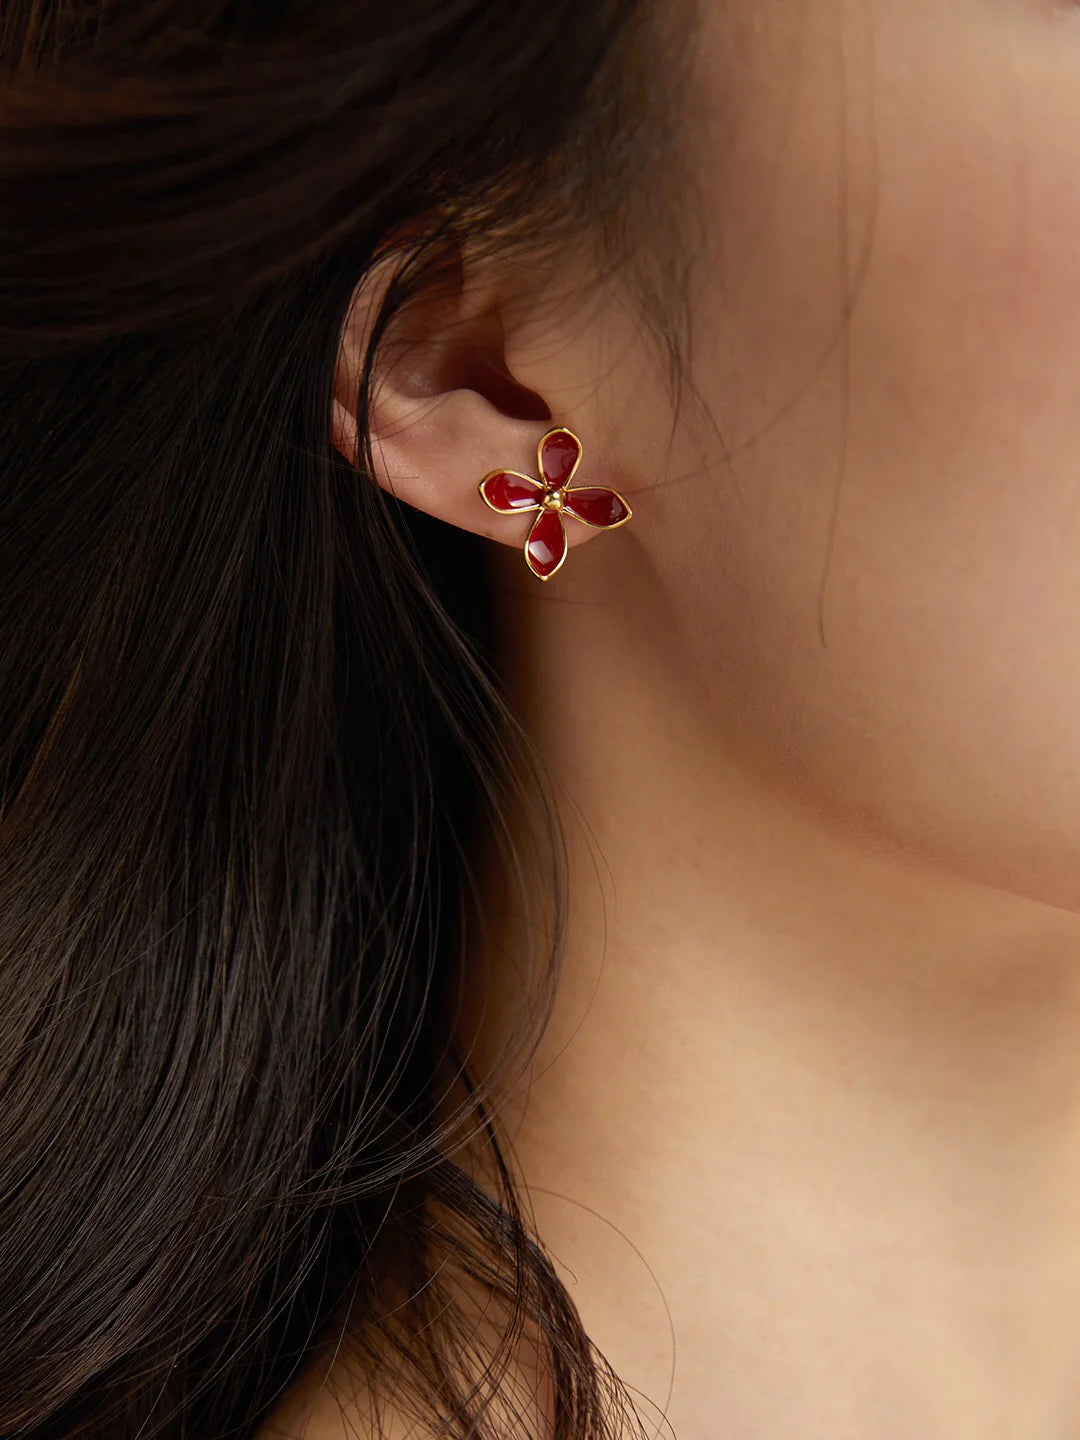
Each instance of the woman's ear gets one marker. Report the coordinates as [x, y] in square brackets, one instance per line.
[443, 410]
[444, 407]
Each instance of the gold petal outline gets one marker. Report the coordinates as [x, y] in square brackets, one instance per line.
[518, 509]
[565, 545]
[616, 523]
[558, 430]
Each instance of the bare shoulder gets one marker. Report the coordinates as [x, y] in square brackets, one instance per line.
[336, 1405]
[339, 1397]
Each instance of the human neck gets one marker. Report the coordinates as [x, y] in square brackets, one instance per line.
[830, 1096]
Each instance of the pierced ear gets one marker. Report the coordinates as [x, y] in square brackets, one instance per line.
[445, 409]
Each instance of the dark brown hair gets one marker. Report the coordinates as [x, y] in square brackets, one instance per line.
[249, 728]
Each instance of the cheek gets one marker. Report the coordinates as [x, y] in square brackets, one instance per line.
[899, 521]
[970, 316]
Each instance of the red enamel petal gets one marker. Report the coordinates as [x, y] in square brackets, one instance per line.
[545, 549]
[559, 453]
[505, 491]
[597, 506]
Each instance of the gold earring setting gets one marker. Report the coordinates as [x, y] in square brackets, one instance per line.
[558, 456]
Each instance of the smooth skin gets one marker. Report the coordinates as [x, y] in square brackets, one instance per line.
[804, 1133]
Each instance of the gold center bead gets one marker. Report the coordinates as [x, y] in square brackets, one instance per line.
[555, 499]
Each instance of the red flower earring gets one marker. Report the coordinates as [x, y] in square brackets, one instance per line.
[557, 458]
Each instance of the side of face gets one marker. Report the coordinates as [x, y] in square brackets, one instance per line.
[877, 497]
